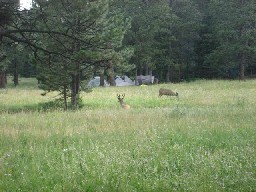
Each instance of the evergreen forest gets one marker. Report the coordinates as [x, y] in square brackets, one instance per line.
[64, 43]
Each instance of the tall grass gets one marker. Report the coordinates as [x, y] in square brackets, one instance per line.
[205, 141]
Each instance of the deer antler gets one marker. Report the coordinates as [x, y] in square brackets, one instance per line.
[119, 96]
[120, 100]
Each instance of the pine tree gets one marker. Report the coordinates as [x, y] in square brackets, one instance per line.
[235, 30]
[96, 34]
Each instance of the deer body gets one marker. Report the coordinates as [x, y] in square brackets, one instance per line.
[167, 92]
[121, 101]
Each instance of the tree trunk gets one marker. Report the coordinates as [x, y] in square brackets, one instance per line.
[179, 72]
[2, 79]
[140, 70]
[102, 79]
[77, 83]
[65, 98]
[150, 72]
[146, 69]
[242, 67]
[15, 78]
[15, 74]
[5, 76]
[74, 92]
[111, 75]
[136, 77]
[167, 77]
[112, 81]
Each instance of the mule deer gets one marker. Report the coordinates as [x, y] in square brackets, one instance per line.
[121, 101]
[167, 92]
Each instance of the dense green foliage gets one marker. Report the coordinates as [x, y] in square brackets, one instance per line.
[205, 141]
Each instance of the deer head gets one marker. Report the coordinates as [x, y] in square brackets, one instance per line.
[121, 101]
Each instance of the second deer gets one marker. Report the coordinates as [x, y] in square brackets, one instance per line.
[121, 101]
[167, 92]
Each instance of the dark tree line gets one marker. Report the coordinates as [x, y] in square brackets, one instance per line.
[64, 42]
[184, 39]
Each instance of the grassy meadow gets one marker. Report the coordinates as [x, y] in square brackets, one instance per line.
[205, 141]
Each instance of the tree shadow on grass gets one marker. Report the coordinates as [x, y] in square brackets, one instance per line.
[56, 105]
[40, 107]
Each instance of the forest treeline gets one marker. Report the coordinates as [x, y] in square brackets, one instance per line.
[64, 42]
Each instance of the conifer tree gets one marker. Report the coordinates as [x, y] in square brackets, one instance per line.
[96, 34]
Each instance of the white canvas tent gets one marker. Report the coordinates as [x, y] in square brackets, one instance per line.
[124, 82]
[95, 82]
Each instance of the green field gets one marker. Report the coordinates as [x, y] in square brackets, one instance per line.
[205, 141]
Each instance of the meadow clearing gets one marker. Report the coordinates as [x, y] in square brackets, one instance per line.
[205, 141]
